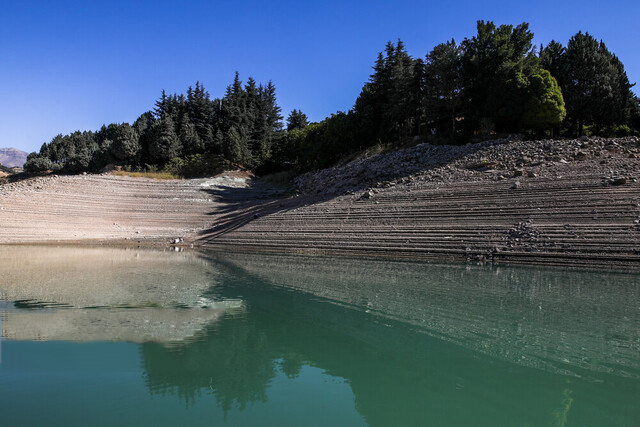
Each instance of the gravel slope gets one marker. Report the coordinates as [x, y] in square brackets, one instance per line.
[565, 203]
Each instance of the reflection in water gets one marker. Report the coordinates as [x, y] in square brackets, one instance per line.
[134, 325]
[416, 343]
[235, 363]
[98, 294]
[395, 335]
[102, 277]
[552, 319]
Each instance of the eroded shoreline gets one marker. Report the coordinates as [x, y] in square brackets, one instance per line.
[517, 202]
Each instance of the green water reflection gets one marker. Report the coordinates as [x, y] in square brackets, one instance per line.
[327, 341]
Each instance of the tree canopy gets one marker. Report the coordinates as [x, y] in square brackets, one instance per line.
[492, 82]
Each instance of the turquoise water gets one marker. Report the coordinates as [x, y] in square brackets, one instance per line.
[113, 336]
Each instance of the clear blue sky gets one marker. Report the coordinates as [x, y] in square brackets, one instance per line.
[69, 65]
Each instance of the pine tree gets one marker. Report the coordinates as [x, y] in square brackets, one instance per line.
[237, 149]
[125, 146]
[200, 110]
[553, 59]
[253, 119]
[493, 66]
[389, 104]
[161, 106]
[443, 85]
[143, 127]
[270, 120]
[297, 120]
[191, 142]
[165, 144]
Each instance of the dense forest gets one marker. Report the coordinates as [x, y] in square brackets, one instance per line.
[493, 83]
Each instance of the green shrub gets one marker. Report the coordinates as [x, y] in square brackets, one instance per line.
[36, 164]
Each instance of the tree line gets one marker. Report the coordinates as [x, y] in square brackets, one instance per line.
[493, 82]
[244, 127]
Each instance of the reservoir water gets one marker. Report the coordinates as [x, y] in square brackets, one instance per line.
[107, 336]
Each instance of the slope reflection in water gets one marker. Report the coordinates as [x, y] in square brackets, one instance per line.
[554, 319]
[421, 344]
[94, 294]
[321, 341]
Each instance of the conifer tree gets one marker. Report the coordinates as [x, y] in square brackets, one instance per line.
[594, 83]
[443, 84]
[493, 65]
[389, 103]
[165, 144]
[125, 146]
[270, 121]
[297, 120]
[237, 149]
[161, 106]
[191, 142]
[200, 110]
[553, 59]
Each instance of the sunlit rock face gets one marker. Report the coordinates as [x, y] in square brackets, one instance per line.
[89, 294]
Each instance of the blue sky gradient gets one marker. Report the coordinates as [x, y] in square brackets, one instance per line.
[69, 65]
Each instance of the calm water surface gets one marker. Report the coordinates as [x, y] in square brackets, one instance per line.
[112, 336]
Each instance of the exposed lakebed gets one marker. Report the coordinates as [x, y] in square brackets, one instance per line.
[102, 336]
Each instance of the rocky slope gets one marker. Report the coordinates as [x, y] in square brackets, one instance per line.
[487, 161]
[570, 202]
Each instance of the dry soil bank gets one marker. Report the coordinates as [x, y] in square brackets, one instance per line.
[572, 202]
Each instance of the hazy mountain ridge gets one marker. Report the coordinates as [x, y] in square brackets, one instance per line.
[12, 157]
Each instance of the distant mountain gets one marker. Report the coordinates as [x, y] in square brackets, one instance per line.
[12, 157]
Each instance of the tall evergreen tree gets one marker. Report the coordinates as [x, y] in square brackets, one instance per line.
[297, 120]
[125, 146]
[389, 104]
[595, 85]
[237, 147]
[270, 121]
[200, 110]
[443, 84]
[161, 106]
[189, 138]
[553, 59]
[493, 64]
[165, 144]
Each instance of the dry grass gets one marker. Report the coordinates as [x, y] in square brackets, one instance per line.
[152, 175]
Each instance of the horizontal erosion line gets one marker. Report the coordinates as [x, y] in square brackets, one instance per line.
[613, 256]
[454, 242]
[415, 240]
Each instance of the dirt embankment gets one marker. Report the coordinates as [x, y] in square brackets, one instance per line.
[555, 202]
[102, 208]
